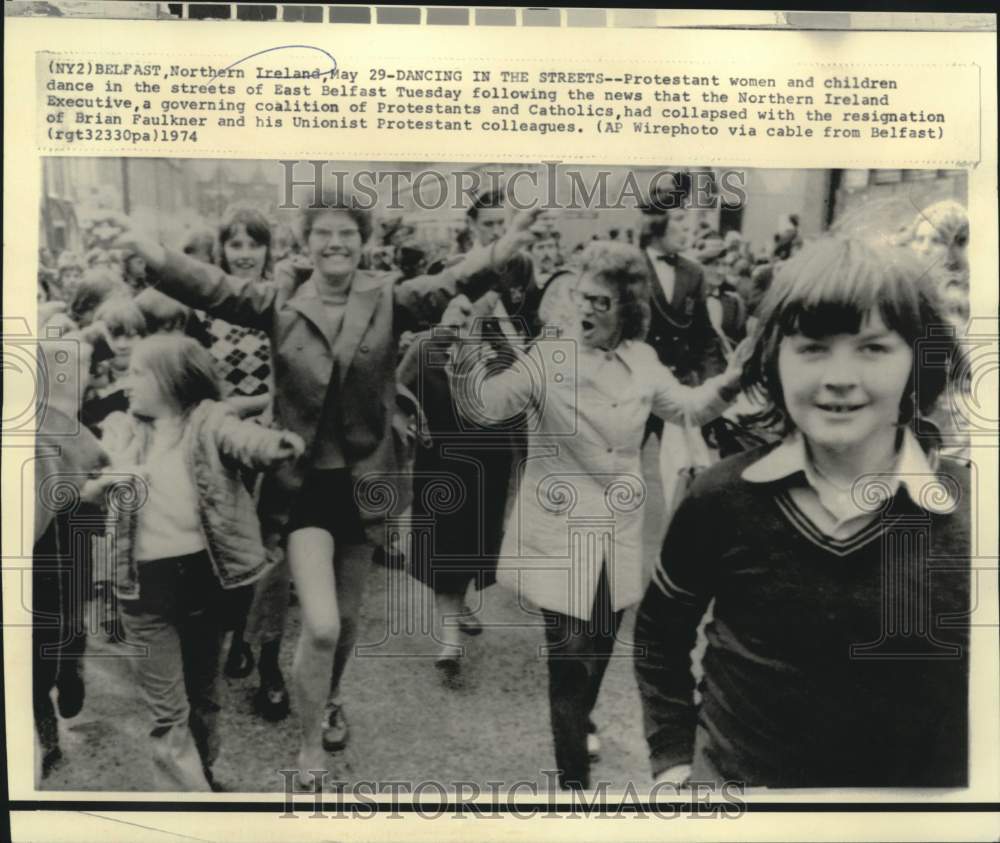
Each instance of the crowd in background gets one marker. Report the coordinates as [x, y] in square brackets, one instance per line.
[270, 357]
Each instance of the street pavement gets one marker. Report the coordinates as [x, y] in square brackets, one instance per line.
[406, 724]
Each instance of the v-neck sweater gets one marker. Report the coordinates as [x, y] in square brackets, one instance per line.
[829, 662]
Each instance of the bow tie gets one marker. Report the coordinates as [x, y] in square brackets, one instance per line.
[670, 258]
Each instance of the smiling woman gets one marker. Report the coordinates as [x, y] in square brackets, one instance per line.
[334, 339]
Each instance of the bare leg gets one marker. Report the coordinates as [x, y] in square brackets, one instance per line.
[353, 567]
[449, 606]
[310, 558]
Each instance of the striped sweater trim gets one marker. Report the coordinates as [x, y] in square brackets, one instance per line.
[838, 547]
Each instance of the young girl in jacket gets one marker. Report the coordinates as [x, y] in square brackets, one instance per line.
[189, 532]
[837, 559]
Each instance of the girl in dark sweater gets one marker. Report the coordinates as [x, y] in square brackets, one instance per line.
[838, 559]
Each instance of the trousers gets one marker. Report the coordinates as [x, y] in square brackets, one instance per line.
[58, 631]
[578, 654]
[179, 622]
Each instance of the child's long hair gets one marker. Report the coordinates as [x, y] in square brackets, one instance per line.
[121, 315]
[257, 228]
[831, 287]
[183, 369]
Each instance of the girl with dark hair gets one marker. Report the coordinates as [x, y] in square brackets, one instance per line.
[242, 247]
[815, 547]
[574, 539]
[194, 536]
[242, 355]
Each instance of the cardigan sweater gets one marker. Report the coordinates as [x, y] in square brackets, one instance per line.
[829, 663]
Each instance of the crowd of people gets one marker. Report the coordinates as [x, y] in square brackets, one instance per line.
[240, 396]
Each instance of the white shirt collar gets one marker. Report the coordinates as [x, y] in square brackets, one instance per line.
[913, 469]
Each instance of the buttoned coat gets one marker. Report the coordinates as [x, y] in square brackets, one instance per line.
[580, 504]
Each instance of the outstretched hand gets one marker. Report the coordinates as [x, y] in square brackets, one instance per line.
[129, 238]
[677, 775]
[738, 360]
[290, 446]
[518, 236]
[461, 313]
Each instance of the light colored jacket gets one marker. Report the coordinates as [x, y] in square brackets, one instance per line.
[581, 499]
[219, 447]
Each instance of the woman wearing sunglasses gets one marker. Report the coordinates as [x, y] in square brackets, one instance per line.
[573, 542]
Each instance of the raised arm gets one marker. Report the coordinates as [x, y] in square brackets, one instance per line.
[486, 390]
[252, 445]
[697, 404]
[423, 299]
[201, 285]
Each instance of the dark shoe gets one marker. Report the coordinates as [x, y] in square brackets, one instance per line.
[469, 623]
[271, 700]
[70, 694]
[214, 783]
[335, 729]
[449, 665]
[50, 760]
[240, 661]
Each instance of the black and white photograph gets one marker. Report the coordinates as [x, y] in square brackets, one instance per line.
[540, 476]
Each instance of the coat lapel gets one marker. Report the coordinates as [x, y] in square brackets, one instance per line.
[306, 302]
[659, 299]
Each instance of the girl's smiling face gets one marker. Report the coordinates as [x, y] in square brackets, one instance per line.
[844, 391]
[246, 257]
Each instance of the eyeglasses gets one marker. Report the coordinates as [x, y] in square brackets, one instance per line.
[599, 304]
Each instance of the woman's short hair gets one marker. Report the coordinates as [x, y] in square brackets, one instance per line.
[830, 288]
[95, 286]
[162, 313]
[332, 201]
[951, 221]
[257, 228]
[121, 316]
[182, 367]
[623, 268]
[98, 255]
[199, 240]
[68, 261]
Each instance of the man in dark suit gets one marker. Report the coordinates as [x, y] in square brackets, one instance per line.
[679, 326]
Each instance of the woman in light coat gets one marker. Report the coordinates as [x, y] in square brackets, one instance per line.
[573, 541]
